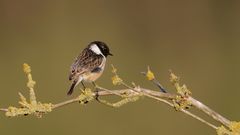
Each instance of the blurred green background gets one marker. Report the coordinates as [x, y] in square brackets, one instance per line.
[198, 40]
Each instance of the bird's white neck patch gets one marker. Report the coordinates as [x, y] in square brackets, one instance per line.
[95, 49]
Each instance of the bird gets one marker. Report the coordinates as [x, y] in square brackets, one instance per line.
[89, 65]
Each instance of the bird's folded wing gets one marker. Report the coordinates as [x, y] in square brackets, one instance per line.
[87, 61]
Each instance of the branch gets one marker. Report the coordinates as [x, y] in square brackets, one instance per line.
[190, 99]
[209, 111]
[3, 109]
[181, 100]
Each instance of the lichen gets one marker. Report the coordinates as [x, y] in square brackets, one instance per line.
[223, 131]
[121, 102]
[183, 92]
[32, 107]
[234, 129]
[150, 75]
[116, 80]
[86, 96]
[38, 110]
[181, 103]
[26, 68]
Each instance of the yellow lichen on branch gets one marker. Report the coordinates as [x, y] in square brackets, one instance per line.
[121, 102]
[86, 96]
[30, 83]
[150, 76]
[116, 80]
[27, 71]
[234, 129]
[31, 107]
[183, 92]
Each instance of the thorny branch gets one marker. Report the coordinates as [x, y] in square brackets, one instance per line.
[181, 101]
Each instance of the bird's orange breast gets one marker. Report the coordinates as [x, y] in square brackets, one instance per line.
[91, 77]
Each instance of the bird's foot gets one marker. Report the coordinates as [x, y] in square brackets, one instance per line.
[86, 96]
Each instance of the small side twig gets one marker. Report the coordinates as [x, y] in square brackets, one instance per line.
[150, 76]
[3, 109]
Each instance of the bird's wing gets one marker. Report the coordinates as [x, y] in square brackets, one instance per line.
[87, 61]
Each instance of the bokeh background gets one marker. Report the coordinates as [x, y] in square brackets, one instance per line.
[198, 40]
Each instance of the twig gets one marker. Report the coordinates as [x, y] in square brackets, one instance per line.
[148, 94]
[156, 82]
[107, 92]
[160, 96]
[151, 94]
[184, 111]
[198, 118]
[3, 109]
[196, 104]
[209, 111]
[61, 104]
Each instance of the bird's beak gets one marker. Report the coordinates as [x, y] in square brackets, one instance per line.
[110, 54]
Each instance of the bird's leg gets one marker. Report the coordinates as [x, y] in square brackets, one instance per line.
[96, 91]
[83, 85]
[94, 84]
[84, 88]
[97, 95]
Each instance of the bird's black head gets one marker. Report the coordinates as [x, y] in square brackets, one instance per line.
[103, 47]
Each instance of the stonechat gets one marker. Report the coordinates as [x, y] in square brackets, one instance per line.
[89, 65]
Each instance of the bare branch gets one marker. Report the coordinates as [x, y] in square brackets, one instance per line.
[3, 109]
[209, 111]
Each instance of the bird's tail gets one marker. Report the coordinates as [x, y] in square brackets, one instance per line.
[72, 88]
